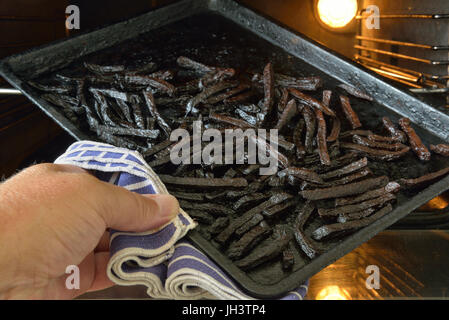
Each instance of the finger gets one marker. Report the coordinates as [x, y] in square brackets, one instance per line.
[76, 283]
[101, 280]
[92, 277]
[103, 244]
[124, 210]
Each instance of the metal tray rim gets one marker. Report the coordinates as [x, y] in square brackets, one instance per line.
[344, 247]
[234, 12]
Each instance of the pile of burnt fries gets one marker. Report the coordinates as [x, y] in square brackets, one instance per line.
[251, 218]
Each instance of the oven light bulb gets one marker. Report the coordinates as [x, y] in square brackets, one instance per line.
[336, 13]
[333, 293]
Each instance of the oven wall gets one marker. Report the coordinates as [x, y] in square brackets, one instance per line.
[299, 15]
[421, 31]
[24, 128]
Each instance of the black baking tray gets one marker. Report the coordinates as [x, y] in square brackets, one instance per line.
[228, 34]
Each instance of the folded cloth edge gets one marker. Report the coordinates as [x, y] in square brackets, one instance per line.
[140, 169]
[187, 283]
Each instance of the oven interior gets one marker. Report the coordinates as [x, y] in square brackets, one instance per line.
[410, 47]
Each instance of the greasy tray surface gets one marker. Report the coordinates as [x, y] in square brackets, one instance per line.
[215, 40]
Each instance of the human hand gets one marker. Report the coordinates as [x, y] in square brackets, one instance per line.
[53, 216]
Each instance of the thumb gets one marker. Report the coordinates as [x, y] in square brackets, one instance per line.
[124, 210]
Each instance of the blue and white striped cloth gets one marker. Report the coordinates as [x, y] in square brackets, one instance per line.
[171, 268]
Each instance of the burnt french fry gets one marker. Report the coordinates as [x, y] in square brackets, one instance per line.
[149, 99]
[378, 138]
[308, 100]
[262, 144]
[335, 131]
[163, 75]
[391, 187]
[188, 195]
[442, 149]
[116, 141]
[352, 177]
[95, 68]
[172, 101]
[264, 253]
[124, 108]
[355, 92]
[330, 229]
[350, 133]
[227, 119]
[207, 92]
[50, 88]
[246, 117]
[327, 94]
[355, 215]
[305, 83]
[304, 213]
[278, 209]
[152, 134]
[307, 245]
[310, 121]
[247, 216]
[218, 225]
[375, 144]
[415, 141]
[321, 138]
[228, 94]
[301, 83]
[202, 69]
[248, 241]
[345, 190]
[137, 111]
[187, 63]
[230, 173]
[301, 173]
[393, 130]
[283, 100]
[249, 199]
[204, 182]
[254, 221]
[275, 182]
[157, 148]
[336, 163]
[160, 161]
[289, 112]
[201, 216]
[268, 85]
[377, 154]
[240, 98]
[357, 207]
[350, 114]
[249, 108]
[216, 195]
[284, 144]
[425, 179]
[215, 76]
[212, 208]
[65, 102]
[158, 84]
[357, 165]
[297, 135]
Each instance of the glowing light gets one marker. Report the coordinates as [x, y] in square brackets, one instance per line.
[337, 13]
[333, 293]
[437, 203]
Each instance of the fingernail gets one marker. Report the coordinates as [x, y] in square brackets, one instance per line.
[168, 206]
